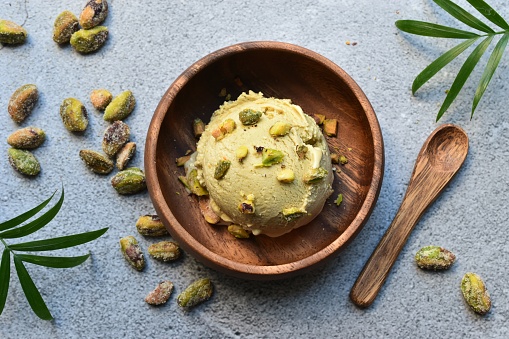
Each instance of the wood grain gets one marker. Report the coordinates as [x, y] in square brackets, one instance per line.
[283, 71]
[440, 158]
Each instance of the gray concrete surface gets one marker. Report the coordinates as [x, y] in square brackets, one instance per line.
[151, 43]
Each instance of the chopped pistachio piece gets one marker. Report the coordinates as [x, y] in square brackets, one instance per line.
[293, 213]
[249, 116]
[286, 175]
[24, 161]
[247, 207]
[271, 157]
[334, 158]
[434, 258]
[206, 210]
[319, 118]
[160, 294]
[198, 127]
[343, 160]
[195, 185]
[238, 232]
[196, 293]
[280, 129]
[339, 200]
[228, 126]
[164, 251]
[182, 160]
[475, 293]
[222, 168]
[151, 226]
[125, 154]
[301, 151]
[183, 180]
[241, 153]
[132, 252]
[330, 127]
[315, 175]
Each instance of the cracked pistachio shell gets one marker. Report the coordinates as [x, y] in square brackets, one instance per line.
[27, 138]
[74, 115]
[94, 13]
[151, 225]
[196, 293]
[65, 25]
[115, 136]
[125, 154]
[24, 162]
[475, 293]
[129, 181]
[100, 98]
[164, 251]
[22, 102]
[160, 294]
[132, 252]
[89, 40]
[12, 33]
[96, 162]
[120, 107]
[434, 258]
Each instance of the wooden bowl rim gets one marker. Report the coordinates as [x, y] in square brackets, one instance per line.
[195, 248]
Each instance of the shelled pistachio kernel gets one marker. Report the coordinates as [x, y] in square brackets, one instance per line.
[125, 154]
[181, 161]
[115, 136]
[319, 118]
[280, 129]
[96, 162]
[222, 168]
[94, 13]
[196, 293]
[164, 251]
[206, 210]
[27, 138]
[301, 151]
[120, 107]
[246, 207]
[24, 161]
[330, 127]
[151, 226]
[100, 98]
[12, 33]
[238, 232]
[160, 294]
[65, 25]
[293, 213]
[315, 175]
[241, 153]
[74, 115]
[228, 126]
[434, 258]
[22, 102]
[271, 157]
[249, 117]
[334, 158]
[475, 293]
[286, 175]
[89, 40]
[198, 127]
[132, 252]
[129, 181]
[343, 160]
[195, 185]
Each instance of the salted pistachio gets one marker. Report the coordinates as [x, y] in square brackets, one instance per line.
[27, 138]
[319, 118]
[195, 185]
[160, 294]
[96, 162]
[330, 127]
[24, 161]
[271, 157]
[196, 293]
[131, 251]
[246, 207]
[293, 213]
[164, 251]
[434, 258]
[222, 168]
[89, 40]
[343, 160]
[22, 102]
[151, 226]
[129, 181]
[241, 152]
[475, 293]
[286, 175]
[238, 232]
[12, 33]
[206, 210]
[120, 107]
[182, 160]
[125, 154]
[301, 151]
[198, 127]
[280, 129]
[65, 25]
[74, 115]
[100, 98]
[315, 175]
[115, 137]
[94, 13]
[250, 117]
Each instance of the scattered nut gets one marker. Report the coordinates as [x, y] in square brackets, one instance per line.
[96, 162]
[89, 40]
[129, 181]
[164, 251]
[286, 175]
[125, 154]
[132, 252]
[182, 160]
[280, 129]
[120, 107]
[160, 294]
[196, 293]
[293, 213]
[222, 168]
[100, 98]
[434, 258]
[334, 158]
[330, 127]
[12, 33]
[206, 210]
[241, 153]
[94, 13]
[249, 117]
[27, 138]
[65, 25]
[194, 184]
[198, 127]
[74, 115]
[343, 160]
[22, 102]
[238, 232]
[271, 157]
[315, 175]
[475, 293]
[151, 226]
[319, 118]
[115, 136]
[24, 162]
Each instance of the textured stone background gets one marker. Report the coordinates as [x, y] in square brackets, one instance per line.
[151, 43]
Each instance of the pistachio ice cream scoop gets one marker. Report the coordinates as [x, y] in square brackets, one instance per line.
[265, 164]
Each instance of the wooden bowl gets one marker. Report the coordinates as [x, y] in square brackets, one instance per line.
[280, 70]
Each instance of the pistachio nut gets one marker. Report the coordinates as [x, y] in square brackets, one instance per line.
[181, 161]
[24, 161]
[293, 213]
[222, 168]
[280, 129]
[164, 251]
[96, 162]
[151, 226]
[22, 102]
[196, 293]
[125, 154]
[120, 107]
[241, 153]
[184, 182]
[12, 33]
[227, 127]
[27, 138]
[89, 40]
[194, 184]
[238, 232]
[286, 175]
[160, 294]
[319, 118]
[129, 181]
[94, 13]
[339, 199]
[246, 207]
[334, 158]
[330, 127]
[315, 175]
[198, 127]
[115, 136]
[131, 251]
[475, 293]
[74, 115]
[65, 25]
[100, 98]
[301, 151]
[343, 160]
[271, 157]
[434, 258]
[249, 117]
[206, 210]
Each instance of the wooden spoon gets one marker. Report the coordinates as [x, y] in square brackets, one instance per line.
[440, 158]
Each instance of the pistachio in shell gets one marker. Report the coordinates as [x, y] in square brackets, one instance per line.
[22, 102]
[24, 162]
[74, 115]
[27, 138]
[12, 33]
[120, 107]
[65, 25]
[89, 40]
[129, 181]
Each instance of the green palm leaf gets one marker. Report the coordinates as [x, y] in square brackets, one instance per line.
[433, 30]
[491, 66]
[54, 262]
[440, 63]
[59, 243]
[25, 216]
[463, 74]
[5, 276]
[489, 13]
[463, 16]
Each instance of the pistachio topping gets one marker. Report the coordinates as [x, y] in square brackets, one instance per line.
[319, 118]
[228, 126]
[222, 168]
[330, 127]
[241, 152]
[247, 207]
[280, 129]
[249, 117]
[238, 232]
[293, 213]
[301, 151]
[271, 157]
[286, 175]
[195, 185]
[198, 127]
[315, 175]
[206, 210]
[343, 160]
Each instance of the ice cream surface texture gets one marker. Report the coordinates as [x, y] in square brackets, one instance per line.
[265, 164]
